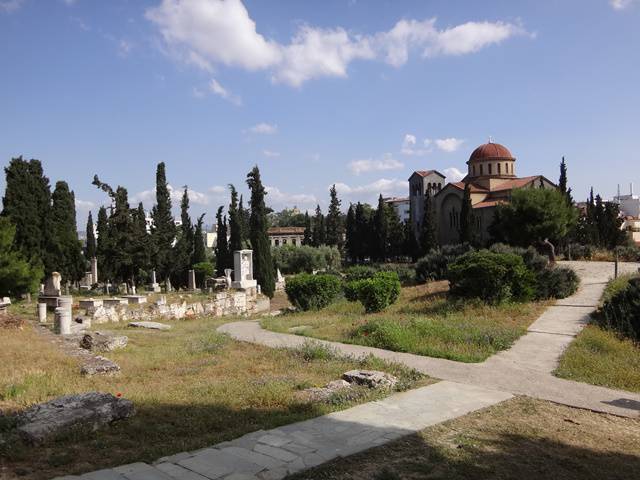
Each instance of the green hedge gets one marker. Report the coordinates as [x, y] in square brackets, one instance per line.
[375, 293]
[291, 259]
[313, 292]
[435, 264]
[491, 277]
[621, 312]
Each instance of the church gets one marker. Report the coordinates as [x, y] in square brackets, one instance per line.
[491, 176]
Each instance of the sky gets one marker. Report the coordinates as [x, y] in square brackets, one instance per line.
[352, 92]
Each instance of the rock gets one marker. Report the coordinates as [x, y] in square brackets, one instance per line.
[151, 325]
[338, 385]
[99, 365]
[102, 341]
[316, 394]
[87, 410]
[370, 378]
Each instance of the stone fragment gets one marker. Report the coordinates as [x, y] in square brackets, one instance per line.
[99, 365]
[87, 410]
[370, 378]
[151, 325]
[102, 341]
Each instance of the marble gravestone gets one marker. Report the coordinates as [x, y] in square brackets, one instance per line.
[243, 269]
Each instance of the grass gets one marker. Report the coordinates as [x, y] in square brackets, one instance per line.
[191, 386]
[423, 321]
[521, 439]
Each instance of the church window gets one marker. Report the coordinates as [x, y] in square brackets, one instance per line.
[499, 169]
[481, 170]
[490, 165]
[474, 170]
[277, 242]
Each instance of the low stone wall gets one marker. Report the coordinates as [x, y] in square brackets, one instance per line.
[228, 302]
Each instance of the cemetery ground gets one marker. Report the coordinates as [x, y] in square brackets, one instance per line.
[191, 387]
[521, 438]
[423, 321]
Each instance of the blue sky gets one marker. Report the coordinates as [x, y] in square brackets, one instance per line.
[358, 93]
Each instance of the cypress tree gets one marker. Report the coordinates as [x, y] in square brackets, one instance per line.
[562, 182]
[264, 271]
[334, 228]
[308, 233]
[381, 231]
[120, 252]
[410, 247]
[140, 242]
[360, 234]
[351, 243]
[428, 237]
[64, 239]
[103, 244]
[396, 232]
[244, 214]
[27, 204]
[235, 222]
[222, 247]
[183, 249]
[17, 276]
[90, 248]
[199, 252]
[319, 228]
[466, 217]
[163, 231]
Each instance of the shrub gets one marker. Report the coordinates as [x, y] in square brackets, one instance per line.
[351, 290]
[435, 264]
[378, 292]
[576, 251]
[532, 259]
[292, 259]
[628, 253]
[558, 282]
[621, 312]
[202, 271]
[491, 277]
[406, 273]
[312, 292]
[313, 350]
[359, 272]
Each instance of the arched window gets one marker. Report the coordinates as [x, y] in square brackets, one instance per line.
[439, 186]
[481, 170]
[474, 170]
[490, 165]
[499, 169]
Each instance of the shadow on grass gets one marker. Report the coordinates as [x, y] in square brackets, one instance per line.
[509, 456]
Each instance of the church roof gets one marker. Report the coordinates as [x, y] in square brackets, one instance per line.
[426, 173]
[491, 151]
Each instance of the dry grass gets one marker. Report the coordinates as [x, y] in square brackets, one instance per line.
[423, 321]
[191, 386]
[522, 439]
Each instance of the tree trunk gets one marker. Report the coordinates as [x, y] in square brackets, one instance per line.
[551, 251]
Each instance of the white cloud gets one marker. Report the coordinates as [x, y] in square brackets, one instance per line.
[448, 144]
[70, 2]
[409, 146]
[8, 6]
[277, 199]
[369, 191]
[206, 33]
[148, 197]
[453, 174]
[124, 47]
[620, 4]
[222, 92]
[218, 189]
[370, 165]
[264, 128]
[270, 154]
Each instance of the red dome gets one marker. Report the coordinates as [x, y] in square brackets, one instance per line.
[491, 151]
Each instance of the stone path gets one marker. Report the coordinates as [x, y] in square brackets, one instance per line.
[524, 369]
[282, 451]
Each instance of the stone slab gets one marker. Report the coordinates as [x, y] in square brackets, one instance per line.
[150, 325]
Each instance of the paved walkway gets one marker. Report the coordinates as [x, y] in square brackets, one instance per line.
[524, 369]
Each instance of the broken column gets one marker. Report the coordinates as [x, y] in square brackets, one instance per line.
[42, 312]
[192, 280]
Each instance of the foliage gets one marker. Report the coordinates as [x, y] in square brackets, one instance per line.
[292, 259]
[308, 233]
[435, 264]
[263, 268]
[491, 277]
[64, 241]
[140, 242]
[359, 272]
[223, 255]
[27, 204]
[621, 312]
[556, 282]
[103, 244]
[235, 223]
[199, 242]
[428, 227]
[90, 248]
[312, 292]
[319, 231]
[534, 214]
[183, 249]
[467, 224]
[375, 293]
[163, 231]
[380, 241]
[312, 350]
[334, 221]
[202, 271]
[17, 276]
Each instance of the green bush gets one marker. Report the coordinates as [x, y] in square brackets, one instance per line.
[352, 289]
[621, 312]
[202, 271]
[558, 282]
[378, 292]
[628, 253]
[435, 264]
[359, 272]
[406, 272]
[313, 292]
[576, 251]
[291, 259]
[491, 277]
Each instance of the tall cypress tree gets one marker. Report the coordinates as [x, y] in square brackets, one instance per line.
[120, 252]
[103, 245]
[90, 247]
[319, 228]
[350, 227]
[562, 182]
[163, 231]
[308, 232]
[334, 227]
[199, 252]
[381, 231]
[244, 214]
[64, 239]
[223, 259]
[410, 247]
[264, 271]
[361, 231]
[27, 203]
[235, 222]
[183, 249]
[140, 243]
[396, 233]
[428, 235]
[466, 217]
